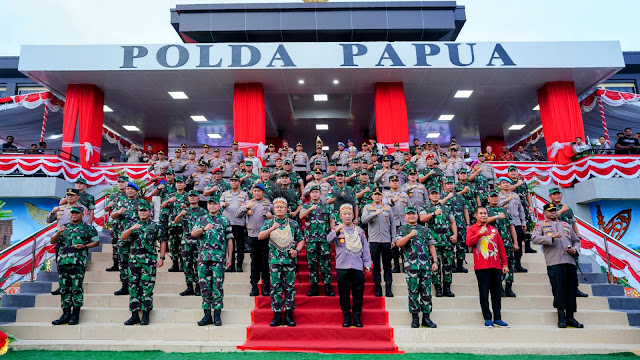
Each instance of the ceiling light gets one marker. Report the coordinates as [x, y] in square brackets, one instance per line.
[336, 82]
[325, 148]
[178, 95]
[516, 127]
[301, 82]
[214, 136]
[463, 94]
[433, 135]
[537, 108]
[57, 136]
[198, 118]
[320, 97]
[535, 130]
[131, 127]
[105, 108]
[322, 127]
[446, 117]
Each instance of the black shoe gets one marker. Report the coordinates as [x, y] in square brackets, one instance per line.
[502, 292]
[124, 290]
[580, 293]
[438, 290]
[427, 322]
[356, 320]
[415, 321]
[454, 269]
[288, 318]
[387, 290]
[145, 317]
[206, 319]
[229, 269]
[113, 268]
[134, 319]
[254, 290]
[56, 292]
[562, 319]
[460, 268]
[189, 291]
[529, 250]
[571, 322]
[446, 290]
[328, 291]
[277, 319]
[396, 269]
[378, 290]
[216, 318]
[197, 291]
[265, 290]
[314, 290]
[239, 268]
[175, 267]
[520, 269]
[509, 292]
[75, 316]
[347, 319]
[64, 319]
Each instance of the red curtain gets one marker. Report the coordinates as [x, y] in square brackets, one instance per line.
[561, 119]
[157, 144]
[86, 109]
[248, 114]
[392, 124]
[496, 143]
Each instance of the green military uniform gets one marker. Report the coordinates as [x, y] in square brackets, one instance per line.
[125, 221]
[281, 266]
[143, 263]
[342, 191]
[469, 198]
[503, 229]
[317, 227]
[441, 230]
[189, 244]
[247, 183]
[480, 184]
[417, 267]
[366, 198]
[433, 181]
[174, 231]
[212, 257]
[523, 191]
[87, 200]
[457, 205]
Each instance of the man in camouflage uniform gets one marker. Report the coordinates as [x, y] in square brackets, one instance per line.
[511, 202]
[296, 181]
[502, 221]
[320, 219]
[441, 221]
[125, 216]
[188, 218]
[248, 178]
[114, 201]
[363, 189]
[293, 196]
[172, 204]
[217, 186]
[459, 207]
[322, 185]
[214, 255]
[285, 243]
[351, 177]
[520, 187]
[432, 176]
[339, 193]
[479, 182]
[420, 259]
[265, 176]
[74, 240]
[398, 201]
[143, 261]
[85, 199]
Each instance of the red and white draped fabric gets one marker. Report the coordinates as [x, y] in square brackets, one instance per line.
[249, 116]
[84, 106]
[392, 124]
[32, 101]
[529, 139]
[115, 139]
[603, 97]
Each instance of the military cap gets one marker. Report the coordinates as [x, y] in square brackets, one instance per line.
[462, 170]
[228, 153]
[395, 162]
[429, 143]
[144, 206]
[482, 155]
[260, 186]
[216, 150]
[349, 140]
[493, 193]
[372, 140]
[453, 148]
[356, 161]
[192, 152]
[170, 172]
[160, 152]
[133, 185]
[387, 158]
[214, 199]
[430, 156]
[234, 142]
[287, 161]
[271, 145]
[364, 173]
[314, 187]
[248, 163]
[333, 163]
[550, 207]
[179, 179]
[512, 167]
[434, 190]
[264, 169]
[123, 178]
[81, 181]
[364, 161]
[339, 173]
[234, 177]
[377, 190]
[205, 146]
[396, 144]
[410, 209]
[413, 172]
[374, 154]
[203, 163]
[504, 178]
[318, 171]
[449, 179]
[318, 146]
[75, 209]
[406, 153]
[365, 144]
[177, 151]
[554, 191]
[394, 178]
[284, 174]
[183, 145]
[193, 193]
[71, 191]
[298, 144]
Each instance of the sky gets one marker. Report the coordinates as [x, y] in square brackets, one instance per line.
[46, 22]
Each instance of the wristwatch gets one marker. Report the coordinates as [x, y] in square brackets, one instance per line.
[161, 257]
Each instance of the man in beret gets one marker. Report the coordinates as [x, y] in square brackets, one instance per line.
[217, 185]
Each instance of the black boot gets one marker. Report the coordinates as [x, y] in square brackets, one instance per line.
[356, 319]
[198, 292]
[64, 319]
[438, 288]
[518, 267]
[56, 292]
[571, 321]
[113, 267]
[427, 322]
[580, 293]
[328, 291]
[124, 290]
[288, 318]
[314, 290]
[189, 291]
[206, 319]
[528, 249]
[446, 290]
[347, 318]
[415, 321]
[378, 290]
[277, 319]
[229, 269]
[266, 289]
[460, 268]
[254, 290]
[562, 319]
[134, 319]
[509, 292]
[75, 316]
[216, 318]
[387, 290]
[502, 292]
[175, 267]
[396, 269]
[145, 317]
[239, 268]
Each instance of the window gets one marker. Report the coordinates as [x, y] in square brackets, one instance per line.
[628, 87]
[24, 90]
[3, 90]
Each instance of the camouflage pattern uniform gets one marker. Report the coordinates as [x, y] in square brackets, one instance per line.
[441, 230]
[125, 221]
[143, 263]
[87, 200]
[190, 244]
[457, 205]
[344, 190]
[222, 187]
[72, 262]
[503, 229]
[324, 189]
[481, 185]
[247, 183]
[212, 259]
[469, 198]
[317, 227]
[282, 267]
[173, 231]
[417, 267]
[433, 181]
[522, 191]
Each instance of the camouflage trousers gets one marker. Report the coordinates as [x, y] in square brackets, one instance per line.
[461, 244]
[445, 264]
[142, 279]
[211, 279]
[115, 235]
[70, 278]
[511, 260]
[190, 261]
[174, 234]
[419, 285]
[123, 248]
[319, 256]
[283, 291]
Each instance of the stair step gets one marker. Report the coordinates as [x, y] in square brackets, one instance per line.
[160, 301]
[127, 345]
[518, 303]
[514, 348]
[607, 290]
[18, 300]
[593, 278]
[624, 303]
[36, 287]
[49, 276]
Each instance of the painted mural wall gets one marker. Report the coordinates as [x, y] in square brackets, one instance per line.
[21, 217]
[620, 219]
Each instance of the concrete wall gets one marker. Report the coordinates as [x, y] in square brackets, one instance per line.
[28, 187]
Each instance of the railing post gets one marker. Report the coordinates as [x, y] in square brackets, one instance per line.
[606, 249]
[33, 259]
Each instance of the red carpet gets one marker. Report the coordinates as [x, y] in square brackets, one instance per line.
[319, 322]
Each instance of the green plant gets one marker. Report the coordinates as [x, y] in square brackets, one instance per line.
[4, 214]
[143, 185]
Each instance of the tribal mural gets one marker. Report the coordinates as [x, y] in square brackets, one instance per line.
[619, 219]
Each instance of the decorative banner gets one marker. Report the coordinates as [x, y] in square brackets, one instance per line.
[32, 101]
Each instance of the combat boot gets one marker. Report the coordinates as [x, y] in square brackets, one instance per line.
[189, 291]
[216, 318]
[508, 291]
[562, 319]
[356, 319]
[277, 319]
[528, 249]
[415, 321]
[114, 267]
[347, 318]
[124, 290]
[580, 293]
[206, 319]
[460, 268]
[254, 290]
[572, 322]
[198, 292]
[314, 290]
[518, 267]
[75, 316]
[56, 292]
[64, 319]
[288, 318]
[446, 291]
[438, 288]
[328, 291]
[265, 289]
[396, 269]
[427, 322]
[378, 290]
[387, 290]
[134, 319]
[502, 293]
[175, 267]
[145, 317]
